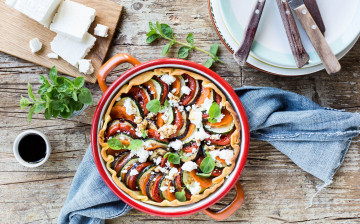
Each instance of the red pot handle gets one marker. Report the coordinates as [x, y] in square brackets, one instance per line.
[231, 208]
[110, 65]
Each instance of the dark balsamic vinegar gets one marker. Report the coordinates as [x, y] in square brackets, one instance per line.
[32, 148]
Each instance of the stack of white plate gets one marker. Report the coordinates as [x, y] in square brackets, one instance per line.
[271, 51]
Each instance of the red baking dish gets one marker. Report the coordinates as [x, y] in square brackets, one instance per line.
[110, 92]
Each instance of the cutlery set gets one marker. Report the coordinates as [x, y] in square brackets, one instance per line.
[308, 13]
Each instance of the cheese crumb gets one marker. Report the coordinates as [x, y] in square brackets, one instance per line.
[196, 116]
[134, 172]
[176, 145]
[172, 189]
[168, 79]
[157, 160]
[138, 119]
[164, 188]
[35, 45]
[219, 118]
[101, 30]
[86, 67]
[206, 105]
[167, 130]
[173, 172]
[189, 166]
[188, 108]
[201, 134]
[195, 188]
[141, 153]
[215, 136]
[226, 155]
[173, 90]
[130, 109]
[186, 90]
[53, 56]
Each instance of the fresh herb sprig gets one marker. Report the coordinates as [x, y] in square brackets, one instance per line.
[116, 144]
[60, 96]
[172, 157]
[165, 31]
[214, 112]
[180, 196]
[207, 165]
[154, 106]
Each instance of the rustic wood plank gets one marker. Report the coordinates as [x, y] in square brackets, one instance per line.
[276, 190]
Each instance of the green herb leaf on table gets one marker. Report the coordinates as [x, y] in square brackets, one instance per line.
[31, 112]
[24, 102]
[152, 38]
[167, 31]
[55, 113]
[48, 114]
[115, 144]
[180, 196]
[209, 62]
[214, 49]
[152, 27]
[166, 49]
[204, 175]
[190, 39]
[135, 144]
[207, 165]
[183, 52]
[30, 92]
[39, 108]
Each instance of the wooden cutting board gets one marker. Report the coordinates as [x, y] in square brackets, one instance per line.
[16, 30]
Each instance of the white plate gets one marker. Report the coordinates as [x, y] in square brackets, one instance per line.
[231, 44]
[341, 18]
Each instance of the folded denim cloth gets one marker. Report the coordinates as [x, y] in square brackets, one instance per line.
[315, 138]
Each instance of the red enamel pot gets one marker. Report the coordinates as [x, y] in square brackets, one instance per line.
[110, 92]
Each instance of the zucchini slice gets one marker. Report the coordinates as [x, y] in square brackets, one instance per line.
[143, 174]
[134, 103]
[187, 181]
[220, 130]
[190, 138]
[118, 159]
[185, 128]
[147, 92]
[158, 87]
[155, 142]
[158, 152]
[164, 183]
[193, 156]
[152, 124]
[130, 162]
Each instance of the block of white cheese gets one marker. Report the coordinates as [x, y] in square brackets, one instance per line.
[42, 11]
[71, 50]
[72, 20]
[35, 45]
[101, 30]
[53, 56]
[86, 67]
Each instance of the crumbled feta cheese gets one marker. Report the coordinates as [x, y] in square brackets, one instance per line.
[130, 109]
[151, 152]
[188, 108]
[141, 153]
[219, 118]
[206, 105]
[35, 45]
[162, 169]
[173, 100]
[186, 90]
[189, 166]
[195, 188]
[167, 130]
[173, 172]
[157, 160]
[138, 119]
[172, 189]
[181, 108]
[141, 127]
[53, 56]
[134, 172]
[125, 169]
[186, 80]
[163, 188]
[226, 155]
[201, 134]
[196, 116]
[168, 164]
[85, 67]
[150, 115]
[173, 90]
[168, 79]
[215, 137]
[147, 144]
[176, 145]
[101, 30]
[152, 92]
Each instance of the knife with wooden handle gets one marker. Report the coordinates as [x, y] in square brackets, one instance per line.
[322, 48]
[315, 13]
[242, 53]
[300, 55]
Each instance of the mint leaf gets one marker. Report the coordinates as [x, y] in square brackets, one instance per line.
[39, 108]
[135, 144]
[79, 82]
[165, 50]
[207, 165]
[24, 102]
[166, 103]
[183, 52]
[180, 196]
[153, 106]
[115, 144]
[67, 112]
[30, 92]
[57, 105]
[48, 114]
[166, 30]
[53, 75]
[144, 133]
[214, 111]
[152, 27]
[55, 113]
[85, 96]
[209, 62]
[190, 39]
[174, 158]
[214, 49]
[31, 112]
[152, 38]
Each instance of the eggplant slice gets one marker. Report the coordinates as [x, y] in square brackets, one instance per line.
[185, 127]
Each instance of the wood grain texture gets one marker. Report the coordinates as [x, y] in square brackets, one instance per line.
[15, 37]
[315, 13]
[276, 190]
[242, 53]
[322, 48]
[300, 55]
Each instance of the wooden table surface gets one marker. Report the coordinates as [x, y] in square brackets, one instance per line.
[276, 190]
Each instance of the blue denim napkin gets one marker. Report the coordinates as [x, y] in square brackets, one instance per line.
[315, 138]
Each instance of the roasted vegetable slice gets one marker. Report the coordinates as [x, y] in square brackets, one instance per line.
[143, 178]
[141, 95]
[185, 126]
[132, 181]
[134, 103]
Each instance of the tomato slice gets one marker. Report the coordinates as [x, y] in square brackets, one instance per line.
[204, 182]
[217, 98]
[216, 172]
[139, 94]
[205, 93]
[192, 85]
[156, 190]
[176, 85]
[226, 120]
[190, 131]
[224, 139]
[171, 195]
[152, 133]
[188, 149]
[165, 89]
[179, 184]
[132, 179]
[178, 122]
[122, 163]
[120, 128]
[122, 175]
[149, 85]
[119, 112]
[159, 121]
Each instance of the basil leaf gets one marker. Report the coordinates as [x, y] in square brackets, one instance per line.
[207, 165]
[39, 108]
[180, 196]
[153, 106]
[209, 62]
[85, 96]
[115, 144]
[214, 49]
[24, 102]
[30, 92]
[212, 120]
[204, 175]
[166, 103]
[183, 52]
[31, 112]
[53, 75]
[47, 114]
[174, 158]
[79, 82]
[166, 30]
[190, 39]
[144, 133]
[135, 144]
[214, 110]
[55, 113]
[165, 50]
[152, 38]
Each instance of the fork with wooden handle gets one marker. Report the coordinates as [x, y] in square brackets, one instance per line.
[300, 55]
[242, 53]
[317, 39]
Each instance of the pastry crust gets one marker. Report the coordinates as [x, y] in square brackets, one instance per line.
[235, 137]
